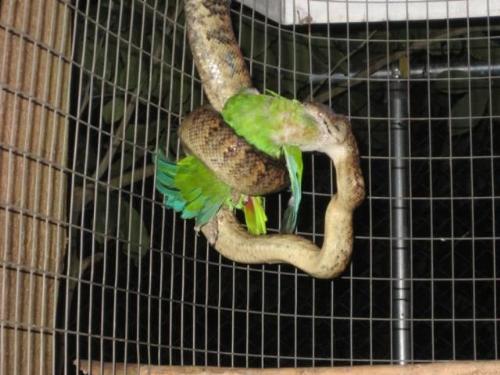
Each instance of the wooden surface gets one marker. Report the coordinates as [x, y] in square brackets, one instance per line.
[33, 137]
[446, 368]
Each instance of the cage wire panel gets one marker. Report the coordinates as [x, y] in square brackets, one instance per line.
[136, 283]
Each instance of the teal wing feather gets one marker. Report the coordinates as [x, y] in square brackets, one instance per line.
[191, 188]
[165, 175]
[293, 157]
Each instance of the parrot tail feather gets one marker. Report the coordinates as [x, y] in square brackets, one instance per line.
[190, 188]
[294, 163]
[165, 176]
[289, 217]
[255, 215]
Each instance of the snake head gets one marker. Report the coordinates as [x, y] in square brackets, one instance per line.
[334, 128]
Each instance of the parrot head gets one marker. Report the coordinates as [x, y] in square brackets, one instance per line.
[333, 128]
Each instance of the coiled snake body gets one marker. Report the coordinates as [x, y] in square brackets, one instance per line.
[223, 73]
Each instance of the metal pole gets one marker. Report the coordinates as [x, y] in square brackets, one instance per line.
[420, 71]
[401, 349]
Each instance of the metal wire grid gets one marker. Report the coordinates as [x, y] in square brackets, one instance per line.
[176, 301]
[22, 99]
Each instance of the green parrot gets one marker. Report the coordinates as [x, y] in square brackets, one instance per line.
[270, 123]
[191, 188]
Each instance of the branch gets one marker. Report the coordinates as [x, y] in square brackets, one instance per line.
[119, 135]
[116, 140]
[341, 61]
[325, 95]
[127, 179]
[85, 100]
[76, 272]
[443, 368]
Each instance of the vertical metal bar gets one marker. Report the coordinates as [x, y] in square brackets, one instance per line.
[399, 226]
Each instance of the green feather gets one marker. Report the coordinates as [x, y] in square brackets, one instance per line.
[165, 172]
[173, 199]
[260, 119]
[255, 215]
[293, 157]
[192, 189]
[267, 121]
[207, 213]
[197, 202]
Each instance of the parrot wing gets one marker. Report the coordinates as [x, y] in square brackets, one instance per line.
[191, 188]
[255, 215]
[261, 118]
[293, 157]
[248, 115]
[165, 174]
[194, 190]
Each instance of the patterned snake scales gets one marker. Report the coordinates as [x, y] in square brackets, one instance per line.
[223, 72]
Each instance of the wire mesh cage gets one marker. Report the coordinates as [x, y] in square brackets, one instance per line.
[94, 267]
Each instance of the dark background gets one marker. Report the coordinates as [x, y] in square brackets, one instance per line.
[140, 285]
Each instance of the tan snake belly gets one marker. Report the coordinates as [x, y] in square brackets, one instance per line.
[223, 73]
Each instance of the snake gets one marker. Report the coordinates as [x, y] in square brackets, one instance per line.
[223, 73]
[205, 135]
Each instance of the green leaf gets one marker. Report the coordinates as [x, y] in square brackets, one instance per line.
[484, 49]
[180, 99]
[451, 47]
[113, 110]
[295, 54]
[133, 71]
[495, 98]
[128, 68]
[137, 240]
[134, 135]
[458, 82]
[88, 55]
[122, 166]
[154, 84]
[103, 232]
[461, 109]
[94, 52]
[138, 237]
[103, 64]
[252, 38]
[173, 140]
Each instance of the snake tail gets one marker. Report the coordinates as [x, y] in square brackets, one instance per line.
[232, 240]
[215, 50]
